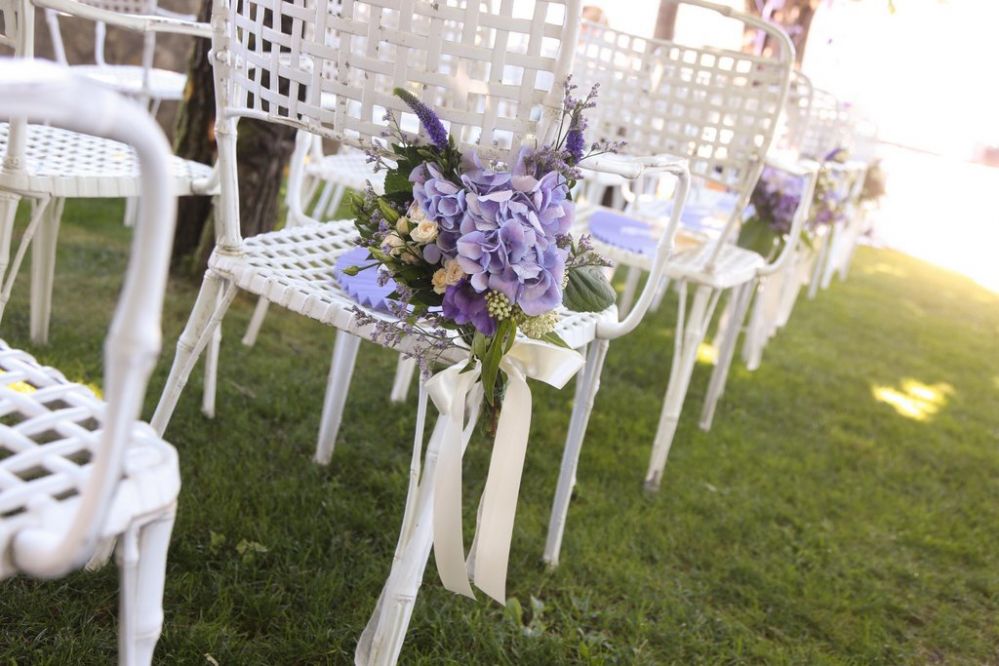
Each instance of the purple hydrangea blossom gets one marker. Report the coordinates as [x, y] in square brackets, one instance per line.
[464, 305]
[442, 201]
[508, 242]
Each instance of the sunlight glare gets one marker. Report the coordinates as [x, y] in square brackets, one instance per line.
[916, 400]
[707, 353]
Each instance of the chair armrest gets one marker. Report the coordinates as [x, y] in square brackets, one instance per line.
[809, 170]
[653, 166]
[166, 13]
[137, 22]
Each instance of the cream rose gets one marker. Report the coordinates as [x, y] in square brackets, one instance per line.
[445, 277]
[425, 232]
[392, 244]
[415, 213]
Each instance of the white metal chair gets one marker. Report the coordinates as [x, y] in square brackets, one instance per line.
[76, 470]
[294, 267]
[145, 81]
[49, 164]
[719, 108]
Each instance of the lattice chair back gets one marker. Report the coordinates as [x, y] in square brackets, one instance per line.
[797, 113]
[715, 106]
[828, 126]
[45, 93]
[493, 74]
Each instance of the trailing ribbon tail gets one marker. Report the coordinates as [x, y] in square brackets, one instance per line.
[490, 552]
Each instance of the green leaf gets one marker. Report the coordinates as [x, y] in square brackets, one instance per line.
[758, 236]
[588, 290]
[396, 181]
[391, 214]
[555, 339]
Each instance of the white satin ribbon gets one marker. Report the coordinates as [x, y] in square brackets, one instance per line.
[490, 552]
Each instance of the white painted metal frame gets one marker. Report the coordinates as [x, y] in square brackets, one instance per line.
[49, 164]
[76, 469]
[720, 109]
[527, 49]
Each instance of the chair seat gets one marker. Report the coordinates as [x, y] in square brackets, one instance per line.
[50, 429]
[128, 79]
[349, 168]
[70, 164]
[632, 242]
[295, 267]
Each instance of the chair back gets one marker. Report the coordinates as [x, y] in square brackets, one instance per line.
[45, 93]
[134, 7]
[492, 73]
[717, 107]
[828, 126]
[797, 113]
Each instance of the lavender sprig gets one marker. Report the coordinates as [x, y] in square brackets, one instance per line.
[428, 119]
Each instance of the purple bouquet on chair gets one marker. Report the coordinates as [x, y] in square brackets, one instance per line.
[775, 200]
[478, 249]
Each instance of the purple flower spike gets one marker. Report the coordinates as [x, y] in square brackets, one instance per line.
[465, 306]
[575, 143]
[431, 123]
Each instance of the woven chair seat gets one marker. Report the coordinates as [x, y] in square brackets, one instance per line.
[71, 164]
[349, 168]
[294, 267]
[129, 79]
[50, 429]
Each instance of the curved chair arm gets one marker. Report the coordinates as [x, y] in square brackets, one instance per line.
[42, 92]
[145, 23]
[633, 168]
[809, 171]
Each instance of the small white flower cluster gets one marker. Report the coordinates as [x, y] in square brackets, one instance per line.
[540, 326]
[498, 305]
[418, 228]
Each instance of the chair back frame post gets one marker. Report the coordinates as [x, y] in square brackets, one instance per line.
[48, 94]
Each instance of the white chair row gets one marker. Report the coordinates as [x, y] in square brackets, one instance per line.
[47, 165]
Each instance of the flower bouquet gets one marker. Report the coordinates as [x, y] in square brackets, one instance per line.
[775, 200]
[479, 252]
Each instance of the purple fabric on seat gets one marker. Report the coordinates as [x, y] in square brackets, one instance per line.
[363, 287]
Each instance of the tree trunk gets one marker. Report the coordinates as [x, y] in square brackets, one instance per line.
[795, 17]
[263, 150]
[665, 20]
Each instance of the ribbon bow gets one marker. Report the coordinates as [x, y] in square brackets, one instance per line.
[490, 552]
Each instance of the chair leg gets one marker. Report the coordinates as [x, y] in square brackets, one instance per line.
[334, 202]
[382, 639]
[337, 386]
[689, 336]
[142, 555]
[728, 335]
[213, 300]
[818, 267]
[661, 290]
[324, 199]
[131, 211]
[630, 287]
[586, 390]
[211, 377]
[43, 258]
[404, 370]
[8, 211]
[256, 321]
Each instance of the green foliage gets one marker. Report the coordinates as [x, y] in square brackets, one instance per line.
[587, 290]
[812, 525]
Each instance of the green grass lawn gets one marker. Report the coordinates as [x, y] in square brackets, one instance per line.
[815, 524]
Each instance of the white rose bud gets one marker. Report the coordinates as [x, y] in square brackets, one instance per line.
[415, 213]
[393, 244]
[411, 258]
[402, 226]
[425, 232]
